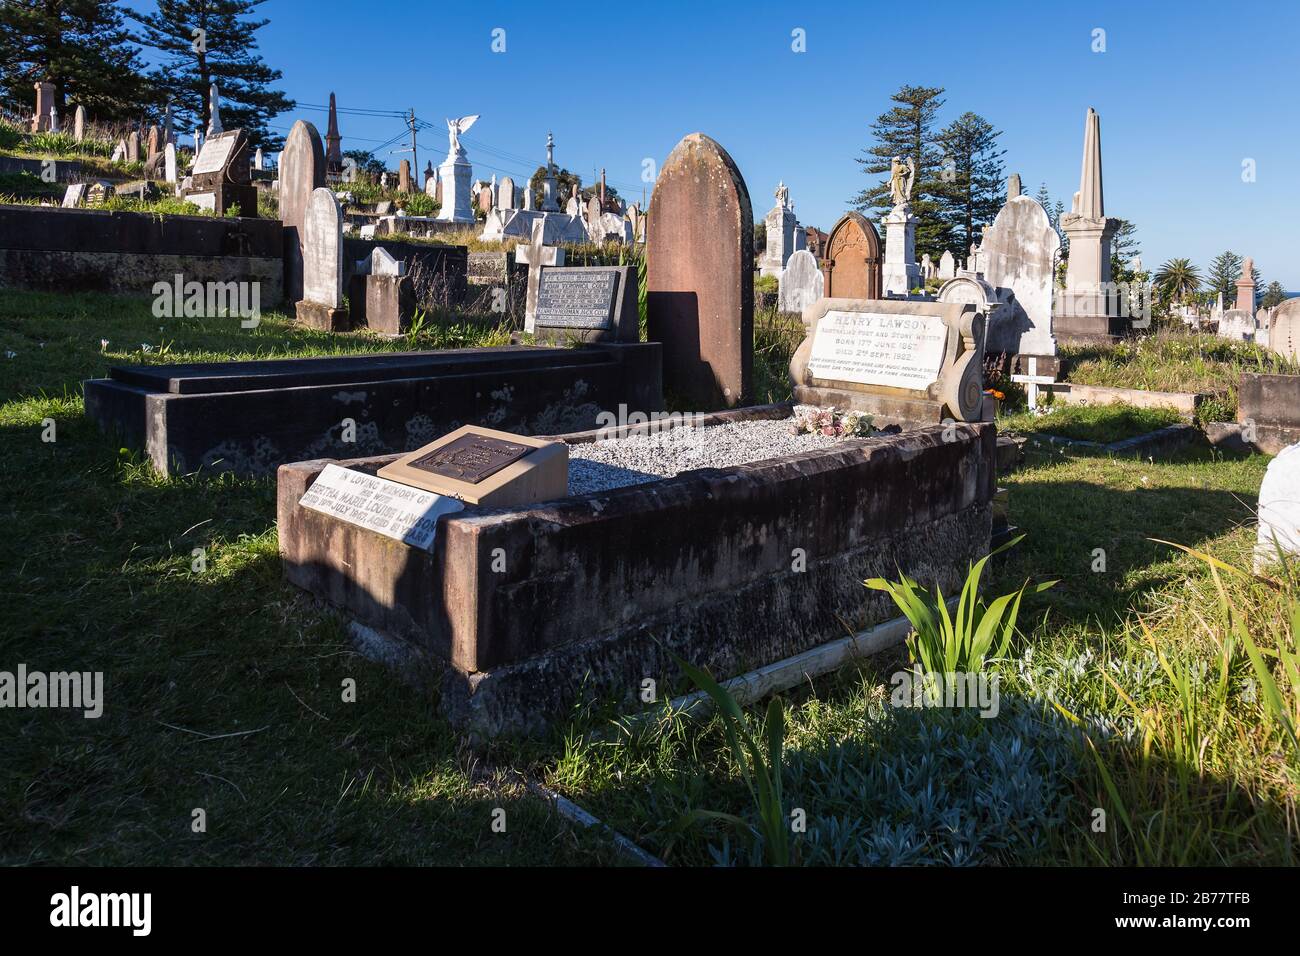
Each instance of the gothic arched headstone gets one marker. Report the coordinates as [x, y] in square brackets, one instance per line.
[852, 260]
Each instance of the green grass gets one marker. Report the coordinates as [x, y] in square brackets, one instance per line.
[1175, 362]
[1098, 423]
[224, 685]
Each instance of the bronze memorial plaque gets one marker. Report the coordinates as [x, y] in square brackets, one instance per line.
[471, 458]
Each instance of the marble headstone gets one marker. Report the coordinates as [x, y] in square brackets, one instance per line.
[802, 283]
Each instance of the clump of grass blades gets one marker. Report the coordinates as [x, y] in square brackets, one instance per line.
[979, 633]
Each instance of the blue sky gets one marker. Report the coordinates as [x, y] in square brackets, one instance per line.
[1186, 92]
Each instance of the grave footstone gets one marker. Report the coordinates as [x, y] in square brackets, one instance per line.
[322, 289]
[302, 171]
[802, 283]
[902, 362]
[699, 261]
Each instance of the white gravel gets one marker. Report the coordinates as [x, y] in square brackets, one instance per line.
[619, 462]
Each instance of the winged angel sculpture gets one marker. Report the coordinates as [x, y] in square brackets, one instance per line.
[455, 128]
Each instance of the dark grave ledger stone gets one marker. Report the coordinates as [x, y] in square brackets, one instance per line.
[580, 299]
[471, 458]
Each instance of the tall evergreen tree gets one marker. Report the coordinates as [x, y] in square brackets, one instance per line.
[907, 129]
[209, 41]
[972, 185]
[83, 47]
[1055, 209]
[1273, 296]
[1224, 271]
[1124, 246]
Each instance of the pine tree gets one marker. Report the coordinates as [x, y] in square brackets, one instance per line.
[205, 42]
[972, 186]
[1224, 271]
[906, 130]
[1124, 246]
[1055, 210]
[81, 46]
[1273, 296]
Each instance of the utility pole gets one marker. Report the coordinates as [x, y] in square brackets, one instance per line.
[415, 156]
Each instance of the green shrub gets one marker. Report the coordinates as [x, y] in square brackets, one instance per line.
[418, 204]
[769, 284]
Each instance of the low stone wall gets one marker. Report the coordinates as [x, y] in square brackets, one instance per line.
[250, 417]
[729, 568]
[1268, 408]
[71, 250]
[1184, 403]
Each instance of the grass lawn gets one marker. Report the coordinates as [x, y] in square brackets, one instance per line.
[224, 687]
[1176, 361]
[1099, 423]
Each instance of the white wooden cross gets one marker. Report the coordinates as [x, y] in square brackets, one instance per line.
[536, 256]
[1032, 381]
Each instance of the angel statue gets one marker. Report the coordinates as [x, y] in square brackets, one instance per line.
[782, 194]
[455, 128]
[901, 177]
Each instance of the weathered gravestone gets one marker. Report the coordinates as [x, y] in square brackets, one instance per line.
[535, 256]
[802, 283]
[321, 306]
[699, 262]
[1284, 333]
[506, 193]
[382, 295]
[587, 304]
[852, 263]
[44, 103]
[1279, 509]
[1019, 252]
[947, 265]
[169, 162]
[221, 179]
[903, 362]
[1237, 325]
[133, 147]
[404, 176]
[74, 196]
[302, 171]
[79, 123]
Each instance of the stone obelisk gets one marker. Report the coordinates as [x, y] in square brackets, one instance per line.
[1087, 305]
[333, 143]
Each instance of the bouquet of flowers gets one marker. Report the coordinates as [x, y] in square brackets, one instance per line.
[812, 420]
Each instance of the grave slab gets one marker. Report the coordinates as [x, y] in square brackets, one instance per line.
[250, 417]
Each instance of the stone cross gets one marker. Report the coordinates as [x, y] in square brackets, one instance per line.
[536, 256]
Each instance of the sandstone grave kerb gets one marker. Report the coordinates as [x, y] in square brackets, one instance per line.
[602, 589]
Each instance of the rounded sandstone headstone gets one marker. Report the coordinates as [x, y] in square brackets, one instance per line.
[1284, 330]
[852, 263]
[699, 265]
[1279, 508]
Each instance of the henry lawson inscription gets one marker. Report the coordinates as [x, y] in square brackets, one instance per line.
[406, 514]
[873, 348]
[578, 299]
[471, 458]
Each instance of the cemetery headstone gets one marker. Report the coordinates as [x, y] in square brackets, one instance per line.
[506, 193]
[947, 265]
[902, 362]
[44, 103]
[133, 147]
[302, 171]
[222, 171]
[1246, 287]
[851, 262]
[322, 283]
[214, 111]
[169, 162]
[1237, 325]
[1019, 252]
[699, 262]
[404, 176]
[535, 256]
[98, 192]
[119, 152]
[487, 468]
[802, 283]
[79, 123]
[587, 304]
[1279, 509]
[74, 195]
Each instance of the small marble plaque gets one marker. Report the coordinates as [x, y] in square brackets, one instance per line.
[876, 348]
[214, 155]
[406, 514]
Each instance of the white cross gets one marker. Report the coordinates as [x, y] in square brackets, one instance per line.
[536, 256]
[1032, 381]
